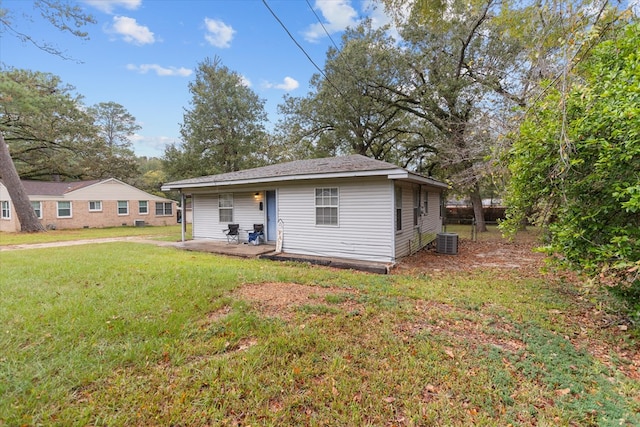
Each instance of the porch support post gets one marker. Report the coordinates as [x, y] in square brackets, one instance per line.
[183, 223]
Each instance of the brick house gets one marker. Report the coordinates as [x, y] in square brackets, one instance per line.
[88, 204]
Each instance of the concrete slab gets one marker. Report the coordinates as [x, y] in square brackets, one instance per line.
[243, 250]
[343, 263]
[267, 251]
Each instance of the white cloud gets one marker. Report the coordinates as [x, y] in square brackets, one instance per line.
[218, 34]
[107, 6]
[151, 146]
[338, 15]
[244, 81]
[288, 84]
[131, 31]
[159, 70]
[379, 16]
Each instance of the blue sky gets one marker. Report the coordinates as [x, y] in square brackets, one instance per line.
[143, 53]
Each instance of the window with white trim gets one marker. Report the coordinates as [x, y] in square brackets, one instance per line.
[95, 205]
[398, 206]
[64, 210]
[123, 207]
[416, 206]
[225, 208]
[6, 210]
[37, 208]
[143, 207]
[426, 202]
[164, 208]
[327, 205]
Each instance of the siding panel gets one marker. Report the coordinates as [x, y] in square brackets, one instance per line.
[363, 230]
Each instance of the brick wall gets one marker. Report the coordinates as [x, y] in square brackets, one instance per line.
[83, 218]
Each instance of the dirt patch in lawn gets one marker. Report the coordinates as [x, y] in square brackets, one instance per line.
[278, 299]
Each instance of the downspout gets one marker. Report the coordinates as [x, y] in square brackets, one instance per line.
[183, 223]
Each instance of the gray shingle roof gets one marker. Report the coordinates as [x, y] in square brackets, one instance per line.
[44, 188]
[353, 163]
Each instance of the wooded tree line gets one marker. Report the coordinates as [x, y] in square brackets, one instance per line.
[485, 95]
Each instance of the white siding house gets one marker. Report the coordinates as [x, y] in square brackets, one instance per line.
[349, 207]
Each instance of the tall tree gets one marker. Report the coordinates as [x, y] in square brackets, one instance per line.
[64, 17]
[44, 124]
[471, 62]
[223, 131]
[343, 114]
[111, 154]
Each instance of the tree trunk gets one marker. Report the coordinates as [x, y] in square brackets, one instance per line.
[29, 221]
[478, 214]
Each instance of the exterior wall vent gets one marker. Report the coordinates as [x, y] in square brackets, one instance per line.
[138, 223]
[447, 243]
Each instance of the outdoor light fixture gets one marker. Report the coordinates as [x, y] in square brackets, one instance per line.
[256, 196]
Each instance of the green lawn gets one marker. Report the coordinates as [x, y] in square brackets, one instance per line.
[172, 232]
[134, 334]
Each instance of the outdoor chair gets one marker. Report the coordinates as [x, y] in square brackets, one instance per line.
[256, 234]
[233, 233]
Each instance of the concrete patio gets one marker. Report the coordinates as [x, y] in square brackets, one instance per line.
[267, 251]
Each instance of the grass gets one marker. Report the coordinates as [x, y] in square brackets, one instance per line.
[134, 334]
[170, 233]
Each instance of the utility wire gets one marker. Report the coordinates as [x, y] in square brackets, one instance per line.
[322, 25]
[300, 46]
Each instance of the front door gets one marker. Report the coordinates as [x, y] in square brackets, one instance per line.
[272, 219]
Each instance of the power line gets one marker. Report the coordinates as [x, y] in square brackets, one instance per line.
[300, 46]
[322, 25]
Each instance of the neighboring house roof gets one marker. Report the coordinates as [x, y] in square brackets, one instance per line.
[45, 188]
[332, 167]
[68, 189]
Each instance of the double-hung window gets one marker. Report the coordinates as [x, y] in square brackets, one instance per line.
[398, 206]
[95, 205]
[426, 202]
[123, 207]
[143, 207]
[64, 209]
[164, 208]
[6, 210]
[327, 206]
[225, 208]
[416, 206]
[37, 208]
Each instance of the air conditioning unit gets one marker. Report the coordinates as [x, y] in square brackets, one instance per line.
[447, 243]
[138, 222]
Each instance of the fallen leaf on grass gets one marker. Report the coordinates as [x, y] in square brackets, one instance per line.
[563, 391]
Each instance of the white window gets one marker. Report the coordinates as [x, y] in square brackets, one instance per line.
[327, 206]
[95, 206]
[143, 207]
[37, 207]
[225, 208]
[416, 206]
[398, 191]
[426, 202]
[6, 210]
[164, 208]
[64, 209]
[123, 207]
